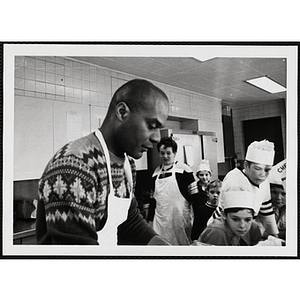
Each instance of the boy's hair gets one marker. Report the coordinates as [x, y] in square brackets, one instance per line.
[275, 185]
[249, 163]
[236, 209]
[213, 184]
[167, 142]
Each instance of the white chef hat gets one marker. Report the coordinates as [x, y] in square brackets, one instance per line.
[278, 174]
[241, 199]
[204, 166]
[261, 152]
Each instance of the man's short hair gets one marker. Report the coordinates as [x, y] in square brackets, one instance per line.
[135, 93]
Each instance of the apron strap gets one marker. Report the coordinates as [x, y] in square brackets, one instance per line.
[127, 167]
[128, 172]
[117, 207]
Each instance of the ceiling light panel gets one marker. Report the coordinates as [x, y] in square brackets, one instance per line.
[267, 84]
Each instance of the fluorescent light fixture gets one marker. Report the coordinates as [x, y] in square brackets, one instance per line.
[267, 84]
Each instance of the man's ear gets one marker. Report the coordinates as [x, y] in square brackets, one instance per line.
[122, 111]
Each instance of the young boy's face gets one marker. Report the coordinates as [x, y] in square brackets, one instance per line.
[257, 173]
[167, 155]
[204, 177]
[278, 196]
[214, 194]
[239, 222]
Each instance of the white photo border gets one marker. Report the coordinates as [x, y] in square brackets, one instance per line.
[289, 51]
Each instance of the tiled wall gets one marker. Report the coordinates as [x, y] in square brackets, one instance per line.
[66, 80]
[60, 79]
[264, 110]
[63, 79]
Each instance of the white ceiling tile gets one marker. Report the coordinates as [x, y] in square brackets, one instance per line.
[221, 78]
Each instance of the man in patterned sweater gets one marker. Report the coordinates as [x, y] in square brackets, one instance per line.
[86, 191]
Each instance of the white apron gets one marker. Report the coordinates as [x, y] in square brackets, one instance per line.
[172, 218]
[117, 208]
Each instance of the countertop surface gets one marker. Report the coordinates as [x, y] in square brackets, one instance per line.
[24, 227]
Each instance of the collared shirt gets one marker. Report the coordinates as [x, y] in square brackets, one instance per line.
[218, 233]
[236, 180]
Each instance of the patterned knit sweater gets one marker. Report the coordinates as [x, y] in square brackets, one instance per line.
[73, 192]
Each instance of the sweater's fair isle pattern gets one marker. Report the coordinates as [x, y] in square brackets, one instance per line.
[74, 187]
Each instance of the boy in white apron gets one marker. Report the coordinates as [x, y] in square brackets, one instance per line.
[175, 188]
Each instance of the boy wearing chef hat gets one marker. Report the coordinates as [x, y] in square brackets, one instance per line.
[277, 181]
[236, 228]
[203, 173]
[257, 166]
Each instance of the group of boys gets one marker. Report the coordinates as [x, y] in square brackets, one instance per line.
[251, 207]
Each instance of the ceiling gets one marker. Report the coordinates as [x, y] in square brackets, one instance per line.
[223, 78]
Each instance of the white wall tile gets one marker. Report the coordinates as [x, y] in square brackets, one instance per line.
[40, 75]
[69, 71]
[29, 62]
[50, 77]
[77, 93]
[50, 88]
[30, 74]
[20, 83]
[69, 92]
[59, 90]
[50, 67]
[20, 72]
[20, 61]
[40, 64]
[69, 81]
[30, 94]
[29, 85]
[40, 87]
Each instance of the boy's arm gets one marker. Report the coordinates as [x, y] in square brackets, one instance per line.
[213, 236]
[267, 217]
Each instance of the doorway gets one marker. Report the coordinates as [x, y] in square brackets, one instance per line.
[266, 128]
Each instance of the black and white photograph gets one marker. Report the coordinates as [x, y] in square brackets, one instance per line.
[150, 150]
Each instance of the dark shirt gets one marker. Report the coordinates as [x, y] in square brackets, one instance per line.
[201, 216]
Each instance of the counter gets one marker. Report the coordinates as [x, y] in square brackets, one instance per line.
[24, 232]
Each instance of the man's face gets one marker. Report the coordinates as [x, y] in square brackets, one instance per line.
[278, 196]
[141, 129]
[239, 222]
[257, 173]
